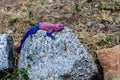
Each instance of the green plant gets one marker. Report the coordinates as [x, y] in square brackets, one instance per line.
[30, 13]
[12, 78]
[28, 66]
[13, 20]
[115, 5]
[101, 6]
[77, 6]
[30, 56]
[39, 2]
[108, 38]
[23, 73]
[119, 35]
[34, 53]
[103, 20]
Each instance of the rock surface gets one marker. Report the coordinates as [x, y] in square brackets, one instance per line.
[110, 61]
[64, 58]
[6, 52]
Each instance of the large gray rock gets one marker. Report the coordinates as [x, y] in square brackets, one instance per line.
[64, 58]
[7, 55]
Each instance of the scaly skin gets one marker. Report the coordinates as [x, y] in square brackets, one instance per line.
[48, 27]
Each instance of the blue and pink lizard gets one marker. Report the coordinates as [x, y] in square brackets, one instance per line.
[48, 27]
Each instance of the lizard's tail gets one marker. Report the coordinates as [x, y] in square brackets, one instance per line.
[29, 32]
[18, 49]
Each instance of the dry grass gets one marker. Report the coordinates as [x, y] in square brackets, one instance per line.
[63, 11]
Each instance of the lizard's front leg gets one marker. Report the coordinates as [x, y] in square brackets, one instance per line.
[50, 35]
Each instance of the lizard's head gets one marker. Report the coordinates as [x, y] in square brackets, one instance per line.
[59, 27]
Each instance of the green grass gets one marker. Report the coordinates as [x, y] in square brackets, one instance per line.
[108, 38]
[23, 73]
[113, 6]
[11, 21]
[13, 78]
[101, 6]
[77, 6]
[118, 37]
[30, 13]
[103, 20]
[30, 56]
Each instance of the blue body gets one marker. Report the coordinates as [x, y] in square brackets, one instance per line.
[31, 31]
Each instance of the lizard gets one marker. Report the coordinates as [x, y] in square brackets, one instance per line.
[48, 27]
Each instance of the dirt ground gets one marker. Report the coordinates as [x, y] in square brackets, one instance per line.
[16, 16]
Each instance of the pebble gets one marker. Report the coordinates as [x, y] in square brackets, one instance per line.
[91, 23]
[68, 15]
[8, 7]
[9, 31]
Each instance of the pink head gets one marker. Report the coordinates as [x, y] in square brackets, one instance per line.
[59, 27]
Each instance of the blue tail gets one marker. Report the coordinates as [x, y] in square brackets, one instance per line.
[19, 49]
[29, 32]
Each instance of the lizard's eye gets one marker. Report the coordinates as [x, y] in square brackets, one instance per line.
[59, 27]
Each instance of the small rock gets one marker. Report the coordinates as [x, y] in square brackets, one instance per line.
[110, 61]
[50, 1]
[91, 23]
[100, 25]
[6, 52]
[68, 15]
[28, 4]
[8, 7]
[9, 31]
[96, 6]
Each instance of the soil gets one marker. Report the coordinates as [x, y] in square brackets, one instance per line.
[17, 16]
